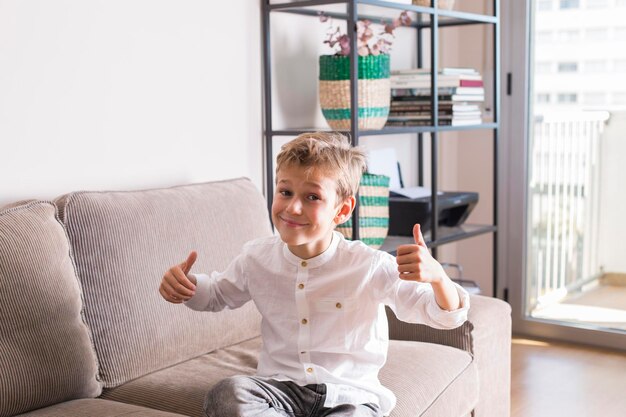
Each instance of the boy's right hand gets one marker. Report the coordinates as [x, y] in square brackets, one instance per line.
[176, 285]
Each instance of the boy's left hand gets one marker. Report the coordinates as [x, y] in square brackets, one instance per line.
[415, 263]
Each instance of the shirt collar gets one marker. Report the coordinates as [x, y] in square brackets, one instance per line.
[320, 259]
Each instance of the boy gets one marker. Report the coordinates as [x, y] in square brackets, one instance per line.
[322, 298]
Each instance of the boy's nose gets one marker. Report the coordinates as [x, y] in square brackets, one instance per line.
[295, 206]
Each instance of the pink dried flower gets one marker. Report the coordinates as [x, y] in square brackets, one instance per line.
[368, 42]
[344, 44]
[405, 19]
[323, 17]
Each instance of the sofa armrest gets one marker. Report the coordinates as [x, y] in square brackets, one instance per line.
[486, 335]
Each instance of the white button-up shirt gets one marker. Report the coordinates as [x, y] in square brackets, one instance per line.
[324, 318]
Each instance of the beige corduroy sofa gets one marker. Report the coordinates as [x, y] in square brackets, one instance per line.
[84, 331]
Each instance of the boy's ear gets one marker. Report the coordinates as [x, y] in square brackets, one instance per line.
[345, 210]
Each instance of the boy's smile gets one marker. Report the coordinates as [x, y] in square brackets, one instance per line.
[306, 209]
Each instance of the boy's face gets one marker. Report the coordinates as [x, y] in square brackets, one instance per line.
[306, 209]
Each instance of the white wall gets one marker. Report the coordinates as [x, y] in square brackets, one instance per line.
[126, 94]
[131, 94]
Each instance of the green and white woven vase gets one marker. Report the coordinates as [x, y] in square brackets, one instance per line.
[373, 211]
[374, 90]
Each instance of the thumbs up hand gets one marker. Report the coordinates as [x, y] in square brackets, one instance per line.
[177, 286]
[415, 263]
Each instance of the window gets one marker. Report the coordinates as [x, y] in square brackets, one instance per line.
[544, 36]
[543, 67]
[568, 35]
[568, 67]
[597, 4]
[569, 4]
[544, 5]
[594, 98]
[595, 66]
[567, 98]
[542, 98]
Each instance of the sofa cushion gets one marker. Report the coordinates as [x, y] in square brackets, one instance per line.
[97, 408]
[182, 388]
[123, 242]
[46, 355]
[459, 337]
[426, 378]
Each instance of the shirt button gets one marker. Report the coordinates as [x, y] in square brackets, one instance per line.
[309, 370]
[304, 321]
[303, 263]
[338, 305]
[301, 286]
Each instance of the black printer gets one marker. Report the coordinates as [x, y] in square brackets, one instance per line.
[453, 209]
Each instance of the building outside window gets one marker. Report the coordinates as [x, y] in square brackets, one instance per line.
[596, 34]
[594, 99]
[597, 4]
[544, 5]
[567, 98]
[569, 4]
[543, 67]
[544, 36]
[568, 67]
[542, 98]
[568, 35]
[594, 66]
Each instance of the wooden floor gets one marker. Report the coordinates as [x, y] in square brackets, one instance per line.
[557, 379]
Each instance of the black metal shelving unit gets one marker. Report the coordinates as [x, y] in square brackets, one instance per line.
[429, 19]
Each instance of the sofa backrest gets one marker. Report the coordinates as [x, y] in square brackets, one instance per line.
[123, 242]
[46, 355]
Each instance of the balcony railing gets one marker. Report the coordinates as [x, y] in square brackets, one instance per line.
[563, 201]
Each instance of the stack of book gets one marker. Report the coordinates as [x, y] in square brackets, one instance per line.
[461, 92]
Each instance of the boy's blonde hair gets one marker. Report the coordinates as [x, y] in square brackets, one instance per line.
[330, 152]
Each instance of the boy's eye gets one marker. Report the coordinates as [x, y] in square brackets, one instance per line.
[284, 193]
[313, 197]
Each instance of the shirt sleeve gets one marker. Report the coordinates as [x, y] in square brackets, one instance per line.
[414, 302]
[219, 290]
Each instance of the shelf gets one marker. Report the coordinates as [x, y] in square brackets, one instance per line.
[446, 235]
[387, 10]
[423, 18]
[396, 130]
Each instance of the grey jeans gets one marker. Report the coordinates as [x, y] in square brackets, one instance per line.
[248, 396]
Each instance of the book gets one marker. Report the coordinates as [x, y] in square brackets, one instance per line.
[443, 71]
[424, 81]
[416, 114]
[466, 122]
[416, 117]
[442, 122]
[442, 98]
[427, 115]
[399, 90]
[393, 123]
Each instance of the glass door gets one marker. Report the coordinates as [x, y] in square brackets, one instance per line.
[567, 196]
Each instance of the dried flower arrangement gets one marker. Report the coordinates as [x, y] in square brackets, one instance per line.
[368, 43]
